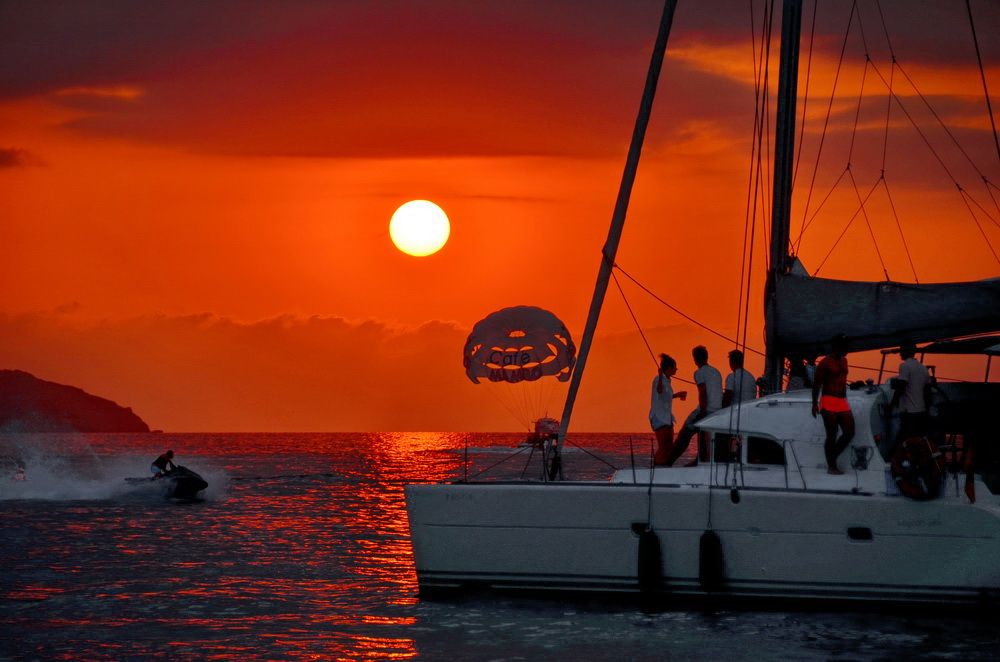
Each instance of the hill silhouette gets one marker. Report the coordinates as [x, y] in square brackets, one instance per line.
[29, 404]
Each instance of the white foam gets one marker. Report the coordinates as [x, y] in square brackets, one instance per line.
[49, 474]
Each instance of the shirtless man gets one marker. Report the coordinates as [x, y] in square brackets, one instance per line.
[831, 380]
[159, 465]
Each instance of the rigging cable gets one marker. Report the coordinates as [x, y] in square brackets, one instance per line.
[848, 171]
[965, 195]
[885, 143]
[805, 92]
[969, 201]
[850, 154]
[826, 124]
[982, 75]
[638, 326]
[685, 316]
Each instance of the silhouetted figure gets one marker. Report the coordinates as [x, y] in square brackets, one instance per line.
[160, 464]
[911, 394]
[661, 412]
[740, 384]
[709, 382]
[797, 376]
[831, 381]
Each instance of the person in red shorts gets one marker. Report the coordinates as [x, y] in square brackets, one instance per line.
[831, 381]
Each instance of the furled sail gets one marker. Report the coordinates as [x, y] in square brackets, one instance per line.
[806, 312]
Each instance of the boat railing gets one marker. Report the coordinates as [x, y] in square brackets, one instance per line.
[786, 446]
[737, 469]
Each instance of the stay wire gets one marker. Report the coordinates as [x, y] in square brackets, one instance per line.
[982, 75]
[965, 199]
[965, 195]
[679, 312]
[805, 92]
[847, 227]
[892, 73]
[902, 237]
[750, 227]
[826, 125]
[916, 126]
[893, 96]
[642, 334]
[761, 64]
[864, 214]
[885, 143]
[596, 457]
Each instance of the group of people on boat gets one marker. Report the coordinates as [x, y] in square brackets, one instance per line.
[829, 384]
[713, 395]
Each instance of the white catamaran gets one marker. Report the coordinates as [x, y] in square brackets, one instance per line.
[763, 518]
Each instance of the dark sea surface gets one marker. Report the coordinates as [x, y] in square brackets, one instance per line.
[300, 551]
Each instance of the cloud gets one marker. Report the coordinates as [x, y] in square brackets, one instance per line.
[356, 79]
[205, 373]
[345, 79]
[287, 373]
[12, 157]
[113, 91]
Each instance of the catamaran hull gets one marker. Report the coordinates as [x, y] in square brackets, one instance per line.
[775, 544]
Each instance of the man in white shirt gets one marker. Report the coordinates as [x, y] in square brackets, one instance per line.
[912, 394]
[740, 384]
[709, 383]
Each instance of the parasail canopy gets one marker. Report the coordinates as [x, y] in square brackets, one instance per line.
[519, 344]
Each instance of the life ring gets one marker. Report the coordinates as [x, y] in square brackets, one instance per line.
[917, 466]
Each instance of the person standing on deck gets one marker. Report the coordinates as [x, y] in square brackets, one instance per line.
[740, 384]
[912, 393]
[831, 380]
[797, 376]
[661, 412]
[709, 382]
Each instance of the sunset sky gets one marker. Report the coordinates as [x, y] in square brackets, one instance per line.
[195, 196]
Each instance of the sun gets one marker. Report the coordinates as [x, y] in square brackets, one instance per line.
[419, 228]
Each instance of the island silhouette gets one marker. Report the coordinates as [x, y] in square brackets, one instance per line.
[29, 404]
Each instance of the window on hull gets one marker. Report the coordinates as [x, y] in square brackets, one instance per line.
[759, 450]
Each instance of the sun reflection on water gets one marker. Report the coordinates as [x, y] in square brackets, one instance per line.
[305, 553]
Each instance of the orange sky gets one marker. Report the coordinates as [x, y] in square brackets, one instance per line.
[196, 196]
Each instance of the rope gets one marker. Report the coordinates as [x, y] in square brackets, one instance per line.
[494, 466]
[638, 326]
[805, 95]
[676, 310]
[596, 457]
[846, 228]
[892, 206]
[982, 75]
[868, 223]
[826, 121]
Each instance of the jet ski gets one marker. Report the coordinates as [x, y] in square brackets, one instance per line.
[179, 483]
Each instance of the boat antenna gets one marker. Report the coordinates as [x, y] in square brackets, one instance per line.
[784, 157]
[610, 249]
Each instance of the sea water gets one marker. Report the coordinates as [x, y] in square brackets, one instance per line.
[299, 550]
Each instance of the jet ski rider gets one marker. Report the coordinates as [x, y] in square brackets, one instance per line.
[159, 466]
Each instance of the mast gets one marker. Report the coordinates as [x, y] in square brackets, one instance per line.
[617, 222]
[781, 209]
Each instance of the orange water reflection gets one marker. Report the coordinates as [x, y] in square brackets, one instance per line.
[301, 550]
[303, 554]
